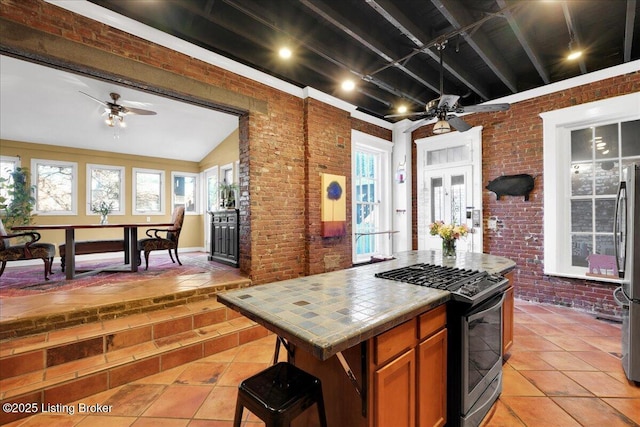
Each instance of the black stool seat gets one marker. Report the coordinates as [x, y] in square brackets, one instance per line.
[279, 394]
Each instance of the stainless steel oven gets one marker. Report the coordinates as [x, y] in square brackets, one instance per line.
[474, 323]
[481, 362]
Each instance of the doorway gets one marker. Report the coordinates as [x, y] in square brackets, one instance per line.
[449, 187]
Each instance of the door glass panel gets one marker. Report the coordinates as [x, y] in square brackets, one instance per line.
[212, 194]
[437, 196]
[458, 199]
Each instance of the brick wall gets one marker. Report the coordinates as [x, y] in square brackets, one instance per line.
[511, 144]
[285, 142]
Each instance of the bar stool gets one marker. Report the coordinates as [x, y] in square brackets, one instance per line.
[279, 394]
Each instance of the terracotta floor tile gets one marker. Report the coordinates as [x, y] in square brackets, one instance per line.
[219, 405]
[515, 384]
[534, 343]
[211, 423]
[237, 372]
[571, 343]
[202, 373]
[603, 385]
[528, 361]
[546, 330]
[106, 421]
[593, 412]
[555, 383]
[609, 344]
[564, 360]
[161, 422]
[580, 330]
[501, 416]
[50, 420]
[165, 377]
[629, 407]
[134, 399]
[599, 359]
[539, 412]
[179, 401]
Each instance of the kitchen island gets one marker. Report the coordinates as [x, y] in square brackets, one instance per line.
[373, 342]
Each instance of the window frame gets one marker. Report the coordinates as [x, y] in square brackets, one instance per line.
[134, 195]
[74, 186]
[557, 127]
[197, 191]
[121, 169]
[16, 161]
[365, 142]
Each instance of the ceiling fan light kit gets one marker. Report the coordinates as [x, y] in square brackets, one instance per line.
[441, 126]
[116, 112]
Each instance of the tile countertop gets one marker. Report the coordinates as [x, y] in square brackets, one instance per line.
[330, 312]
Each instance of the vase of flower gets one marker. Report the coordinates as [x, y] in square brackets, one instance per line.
[104, 209]
[449, 233]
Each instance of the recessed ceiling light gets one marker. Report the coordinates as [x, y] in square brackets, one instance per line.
[402, 109]
[348, 85]
[285, 53]
[574, 55]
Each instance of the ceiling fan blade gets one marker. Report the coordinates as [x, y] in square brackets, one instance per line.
[106, 104]
[458, 123]
[484, 108]
[419, 113]
[448, 100]
[417, 124]
[138, 111]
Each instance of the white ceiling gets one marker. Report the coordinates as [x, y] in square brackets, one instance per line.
[44, 105]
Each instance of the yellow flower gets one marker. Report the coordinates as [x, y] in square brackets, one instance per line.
[448, 231]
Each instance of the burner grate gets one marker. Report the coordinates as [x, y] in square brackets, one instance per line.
[433, 276]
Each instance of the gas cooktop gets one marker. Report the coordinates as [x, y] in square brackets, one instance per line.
[468, 286]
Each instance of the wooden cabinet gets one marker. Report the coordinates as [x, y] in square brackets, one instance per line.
[225, 237]
[410, 373]
[507, 317]
[394, 392]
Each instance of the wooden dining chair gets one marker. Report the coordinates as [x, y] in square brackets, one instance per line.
[162, 239]
[25, 251]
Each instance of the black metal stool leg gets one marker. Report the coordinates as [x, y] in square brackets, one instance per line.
[238, 417]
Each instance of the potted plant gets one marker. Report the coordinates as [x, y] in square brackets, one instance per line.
[227, 194]
[16, 198]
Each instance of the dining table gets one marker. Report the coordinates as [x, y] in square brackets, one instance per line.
[130, 230]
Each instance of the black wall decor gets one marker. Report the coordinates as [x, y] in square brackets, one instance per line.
[512, 185]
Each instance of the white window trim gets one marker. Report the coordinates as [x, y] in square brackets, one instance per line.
[121, 169]
[198, 192]
[134, 174]
[74, 185]
[223, 170]
[361, 140]
[557, 126]
[11, 159]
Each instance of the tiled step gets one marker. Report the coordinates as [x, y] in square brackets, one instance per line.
[62, 366]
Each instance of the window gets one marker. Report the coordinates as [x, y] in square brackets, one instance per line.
[56, 188]
[8, 165]
[585, 150]
[371, 181]
[148, 191]
[106, 184]
[185, 191]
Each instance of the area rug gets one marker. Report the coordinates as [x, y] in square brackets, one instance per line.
[19, 281]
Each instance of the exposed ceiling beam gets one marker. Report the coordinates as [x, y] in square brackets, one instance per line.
[573, 35]
[458, 17]
[628, 29]
[366, 40]
[535, 60]
[388, 10]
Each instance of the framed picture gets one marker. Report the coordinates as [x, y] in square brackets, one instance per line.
[334, 206]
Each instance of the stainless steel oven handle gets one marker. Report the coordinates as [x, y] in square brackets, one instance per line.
[493, 307]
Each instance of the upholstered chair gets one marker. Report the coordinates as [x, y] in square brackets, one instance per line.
[28, 250]
[162, 239]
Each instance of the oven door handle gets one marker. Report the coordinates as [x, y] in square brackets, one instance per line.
[475, 315]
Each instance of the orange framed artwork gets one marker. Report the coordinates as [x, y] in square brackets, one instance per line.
[334, 206]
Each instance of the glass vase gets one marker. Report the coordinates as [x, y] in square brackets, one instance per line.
[104, 219]
[449, 248]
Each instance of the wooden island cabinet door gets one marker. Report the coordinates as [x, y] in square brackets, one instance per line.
[395, 392]
[432, 381]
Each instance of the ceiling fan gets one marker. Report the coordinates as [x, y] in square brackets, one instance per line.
[116, 112]
[443, 107]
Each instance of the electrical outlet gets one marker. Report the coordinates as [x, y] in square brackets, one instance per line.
[492, 224]
[148, 219]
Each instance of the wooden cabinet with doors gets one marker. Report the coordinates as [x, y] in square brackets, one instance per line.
[507, 317]
[225, 237]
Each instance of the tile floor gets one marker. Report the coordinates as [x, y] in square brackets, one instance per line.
[563, 370]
